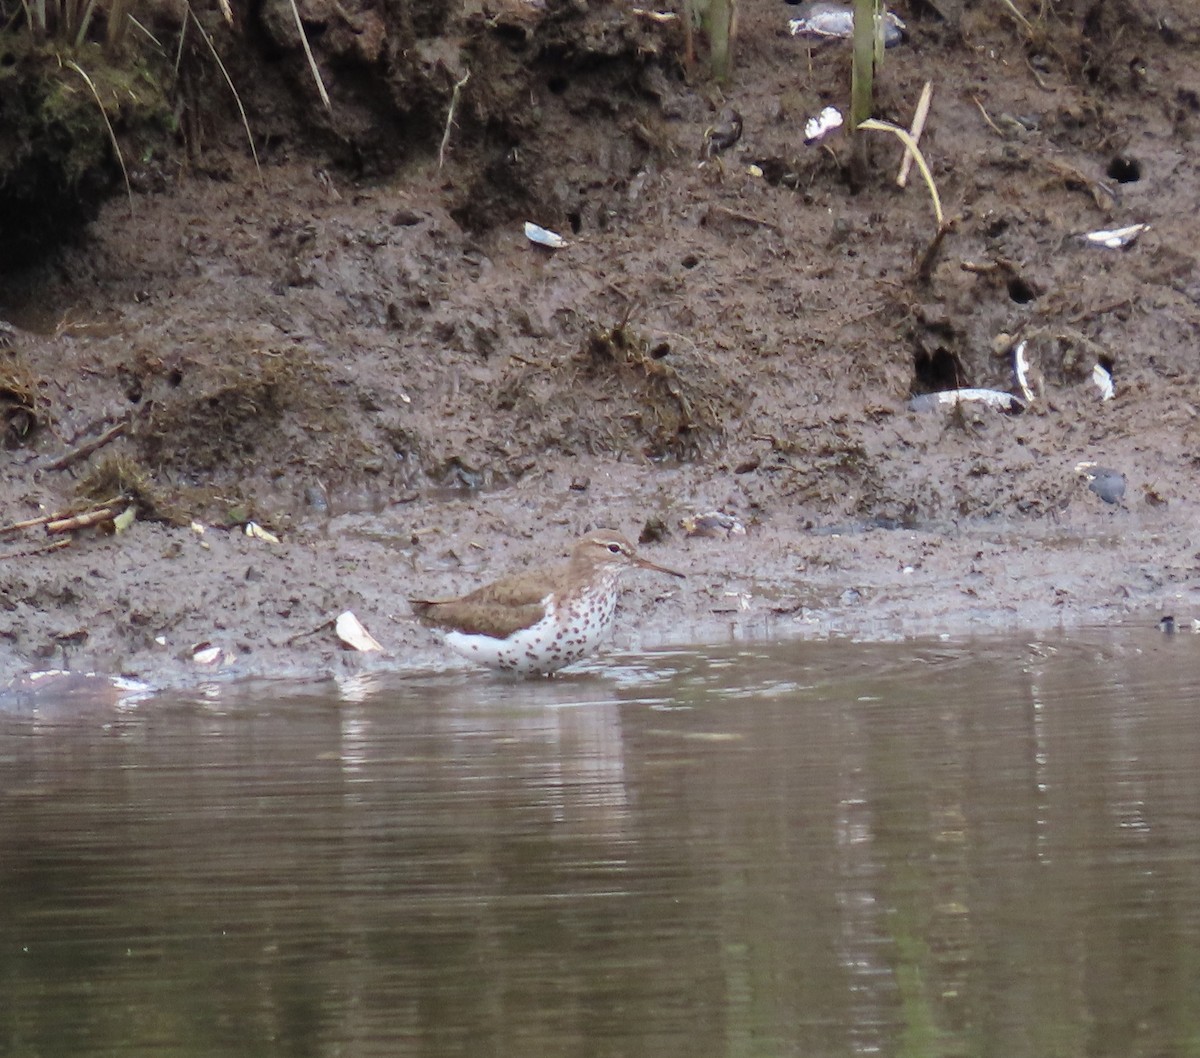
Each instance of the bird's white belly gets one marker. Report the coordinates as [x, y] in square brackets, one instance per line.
[547, 646]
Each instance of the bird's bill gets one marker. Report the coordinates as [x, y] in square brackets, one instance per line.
[645, 563]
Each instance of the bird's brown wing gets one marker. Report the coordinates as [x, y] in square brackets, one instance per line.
[477, 617]
[497, 609]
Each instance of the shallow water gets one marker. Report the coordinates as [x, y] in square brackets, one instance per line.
[959, 848]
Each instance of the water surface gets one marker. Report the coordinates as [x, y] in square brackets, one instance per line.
[957, 848]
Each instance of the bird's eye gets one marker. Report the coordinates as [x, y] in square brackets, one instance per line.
[615, 548]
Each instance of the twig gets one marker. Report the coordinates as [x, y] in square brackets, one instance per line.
[918, 127]
[323, 626]
[747, 218]
[654, 16]
[29, 523]
[81, 521]
[87, 448]
[458, 87]
[1025, 23]
[991, 124]
[929, 257]
[41, 549]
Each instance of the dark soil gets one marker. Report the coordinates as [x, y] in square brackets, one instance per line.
[359, 350]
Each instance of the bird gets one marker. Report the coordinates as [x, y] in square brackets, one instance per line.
[540, 620]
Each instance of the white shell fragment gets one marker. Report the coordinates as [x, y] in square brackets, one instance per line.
[207, 654]
[257, 532]
[1103, 381]
[1116, 238]
[992, 398]
[535, 233]
[831, 21]
[351, 632]
[824, 123]
[1021, 370]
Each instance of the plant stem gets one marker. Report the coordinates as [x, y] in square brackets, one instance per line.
[862, 80]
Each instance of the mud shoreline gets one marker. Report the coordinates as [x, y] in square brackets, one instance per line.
[413, 398]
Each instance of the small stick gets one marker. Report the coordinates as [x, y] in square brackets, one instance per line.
[918, 127]
[458, 87]
[654, 16]
[88, 447]
[747, 218]
[29, 523]
[929, 257]
[991, 124]
[81, 521]
[41, 549]
[292, 640]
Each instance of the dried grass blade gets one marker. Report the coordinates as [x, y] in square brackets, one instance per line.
[236, 98]
[72, 64]
[875, 125]
[312, 62]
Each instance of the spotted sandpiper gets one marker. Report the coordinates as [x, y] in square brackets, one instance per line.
[541, 620]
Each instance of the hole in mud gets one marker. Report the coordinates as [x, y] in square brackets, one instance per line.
[936, 371]
[134, 393]
[174, 378]
[657, 352]
[1125, 170]
[557, 85]
[690, 261]
[1108, 364]
[575, 219]
[1020, 291]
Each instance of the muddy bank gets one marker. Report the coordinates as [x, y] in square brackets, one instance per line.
[372, 362]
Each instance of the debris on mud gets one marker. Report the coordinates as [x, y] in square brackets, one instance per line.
[22, 409]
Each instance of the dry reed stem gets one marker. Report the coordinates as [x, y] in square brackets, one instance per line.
[458, 87]
[918, 127]
[312, 62]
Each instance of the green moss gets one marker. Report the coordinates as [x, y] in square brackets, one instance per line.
[56, 155]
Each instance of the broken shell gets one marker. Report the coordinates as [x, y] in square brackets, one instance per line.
[1021, 371]
[818, 128]
[1116, 238]
[713, 524]
[207, 654]
[351, 632]
[828, 21]
[993, 398]
[544, 236]
[257, 532]
[1104, 383]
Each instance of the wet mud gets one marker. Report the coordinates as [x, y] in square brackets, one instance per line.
[358, 349]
